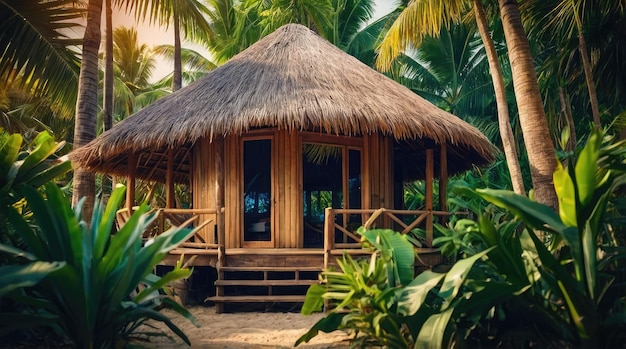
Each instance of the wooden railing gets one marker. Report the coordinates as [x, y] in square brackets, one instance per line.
[376, 218]
[350, 241]
[203, 220]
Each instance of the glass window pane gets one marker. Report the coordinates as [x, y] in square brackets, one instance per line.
[257, 195]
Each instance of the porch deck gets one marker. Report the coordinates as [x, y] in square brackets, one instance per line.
[278, 269]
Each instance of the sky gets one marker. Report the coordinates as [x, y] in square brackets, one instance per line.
[154, 36]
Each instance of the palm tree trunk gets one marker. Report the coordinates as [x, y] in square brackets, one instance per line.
[107, 95]
[178, 70]
[539, 145]
[591, 85]
[504, 123]
[566, 110]
[87, 105]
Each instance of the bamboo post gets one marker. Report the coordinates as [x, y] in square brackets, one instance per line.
[329, 233]
[443, 181]
[430, 174]
[169, 179]
[219, 195]
[130, 182]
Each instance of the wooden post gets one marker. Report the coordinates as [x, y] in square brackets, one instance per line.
[329, 234]
[130, 182]
[219, 195]
[430, 174]
[443, 181]
[169, 179]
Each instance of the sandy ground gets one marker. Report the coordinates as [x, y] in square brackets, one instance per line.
[251, 330]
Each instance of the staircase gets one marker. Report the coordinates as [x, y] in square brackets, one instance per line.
[272, 280]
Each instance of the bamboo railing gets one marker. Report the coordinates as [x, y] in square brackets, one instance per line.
[376, 218]
[191, 218]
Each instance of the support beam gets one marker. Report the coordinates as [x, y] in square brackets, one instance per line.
[130, 182]
[430, 174]
[443, 181]
[219, 196]
[169, 180]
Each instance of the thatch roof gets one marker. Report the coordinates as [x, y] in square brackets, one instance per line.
[291, 79]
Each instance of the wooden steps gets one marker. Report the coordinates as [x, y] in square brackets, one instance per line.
[258, 299]
[262, 284]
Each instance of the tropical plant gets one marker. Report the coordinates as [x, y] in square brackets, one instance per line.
[35, 41]
[509, 288]
[84, 182]
[31, 167]
[381, 301]
[91, 296]
[427, 17]
[583, 251]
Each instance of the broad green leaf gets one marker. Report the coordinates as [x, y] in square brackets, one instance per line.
[564, 187]
[586, 166]
[13, 277]
[536, 215]
[411, 297]
[403, 252]
[456, 276]
[432, 332]
[330, 323]
[590, 252]
[313, 301]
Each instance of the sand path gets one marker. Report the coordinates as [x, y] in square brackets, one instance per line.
[251, 330]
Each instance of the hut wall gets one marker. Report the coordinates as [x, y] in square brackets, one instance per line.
[203, 183]
[379, 170]
[288, 190]
[233, 213]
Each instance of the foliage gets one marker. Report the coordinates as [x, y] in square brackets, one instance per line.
[577, 265]
[509, 288]
[380, 299]
[35, 43]
[90, 298]
[22, 166]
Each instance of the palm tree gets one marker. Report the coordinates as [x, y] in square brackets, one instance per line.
[87, 105]
[541, 156]
[35, 44]
[195, 64]
[234, 25]
[134, 64]
[315, 14]
[186, 15]
[107, 93]
[426, 17]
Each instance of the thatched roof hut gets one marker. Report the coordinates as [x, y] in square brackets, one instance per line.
[291, 79]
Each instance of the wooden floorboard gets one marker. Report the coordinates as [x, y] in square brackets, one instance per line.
[300, 282]
[257, 299]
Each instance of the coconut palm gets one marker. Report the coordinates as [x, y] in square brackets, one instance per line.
[195, 64]
[314, 14]
[133, 65]
[87, 104]
[187, 16]
[542, 156]
[427, 17]
[34, 36]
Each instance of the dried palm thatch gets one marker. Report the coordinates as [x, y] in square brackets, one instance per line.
[291, 79]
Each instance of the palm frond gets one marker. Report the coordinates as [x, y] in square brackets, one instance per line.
[35, 44]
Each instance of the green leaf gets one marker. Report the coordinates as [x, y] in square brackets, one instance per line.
[411, 297]
[536, 215]
[586, 166]
[313, 301]
[456, 276]
[330, 323]
[432, 333]
[13, 277]
[402, 252]
[564, 187]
